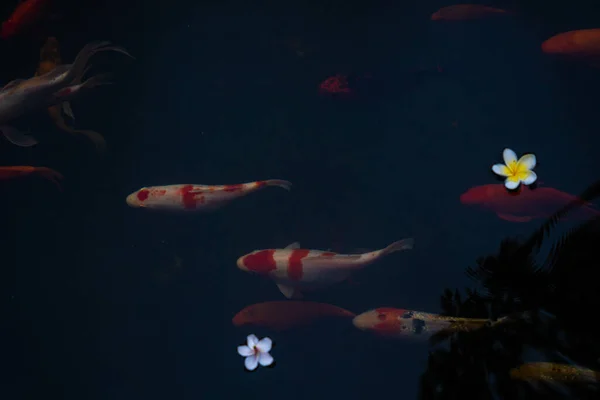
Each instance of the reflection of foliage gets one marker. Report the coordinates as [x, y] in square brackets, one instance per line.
[548, 305]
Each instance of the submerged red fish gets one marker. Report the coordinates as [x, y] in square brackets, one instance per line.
[27, 13]
[583, 42]
[282, 315]
[294, 269]
[18, 171]
[196, 197]
[525, 204]
[459, 12]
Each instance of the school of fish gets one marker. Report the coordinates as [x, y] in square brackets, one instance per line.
[294, 270]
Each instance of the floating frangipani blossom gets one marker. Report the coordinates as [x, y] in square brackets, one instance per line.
[516, 171]
[256, 352]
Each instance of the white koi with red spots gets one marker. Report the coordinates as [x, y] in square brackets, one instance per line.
[196, 197]
[295, 270]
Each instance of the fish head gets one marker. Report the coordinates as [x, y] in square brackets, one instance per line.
[477, 195]
[436, 16]
[385, 321]
[560, 44]
[139, 198]
[259, 262]
[246, 316]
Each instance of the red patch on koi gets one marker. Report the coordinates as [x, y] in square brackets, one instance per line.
[65, 92]
[188, 197]
[261, 262]
[295, 271]
[233, 188]
[143, 195]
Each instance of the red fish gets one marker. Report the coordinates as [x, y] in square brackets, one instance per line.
[25, 170]
[408, 324]
[337, 84]
[196, 197]
[294, 269]
[525, 204]
[583, 44]
[283, 315]
[27, 13]
[461, 12]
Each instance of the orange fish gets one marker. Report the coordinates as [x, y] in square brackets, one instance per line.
[283, 315]
[460, 12]
[525, 204]
[27, 14]
[408, 324]
[584, 43]
[25, 170]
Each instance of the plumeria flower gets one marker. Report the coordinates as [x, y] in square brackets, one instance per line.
[256, 352]
[516, 172]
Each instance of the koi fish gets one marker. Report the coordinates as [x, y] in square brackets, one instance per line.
[582, 42]
[460, 12]
[408, 324]
[294, 269]
[27, 13]
[25, 170]
[196, 197]
[547, 371]
[283, 315]
[526, 203]
[21, 96]
[49, 60]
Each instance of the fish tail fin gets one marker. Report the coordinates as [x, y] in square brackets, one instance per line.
[97, 80]
[279, 182]
[17, 138]
[400, 245]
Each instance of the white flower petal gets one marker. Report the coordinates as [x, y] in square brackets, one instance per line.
[531, 177]
[245, 351]
[528, 161]
[509, 157]
[252, 340]
[265, 359]
[251, 362]
[500, 169]
[264, 345]
[511, 183]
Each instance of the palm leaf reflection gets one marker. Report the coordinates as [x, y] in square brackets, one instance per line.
[548, 305]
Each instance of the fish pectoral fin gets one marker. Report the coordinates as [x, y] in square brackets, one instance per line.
[17, 138]
[289, 292]
[292, 246]
[514, 218]
[66, 106]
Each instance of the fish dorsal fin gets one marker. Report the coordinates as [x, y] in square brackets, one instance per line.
[289, 292]
[292, 246]
[12, 84]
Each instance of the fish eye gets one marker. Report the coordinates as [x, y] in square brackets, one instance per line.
[381, 316]
[408, 314]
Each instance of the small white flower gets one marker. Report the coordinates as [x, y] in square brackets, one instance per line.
[516, 172]
[256, 352]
